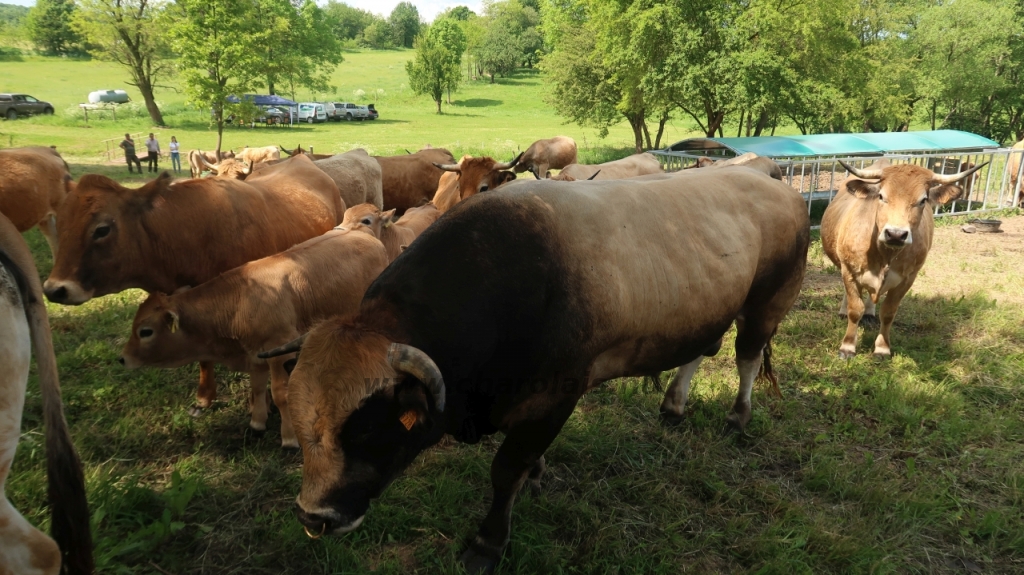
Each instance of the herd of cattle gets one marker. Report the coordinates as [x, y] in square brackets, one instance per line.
[387, 306]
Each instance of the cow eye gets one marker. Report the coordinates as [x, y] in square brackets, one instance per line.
[145, 332]
[483, 188]
[923, 201]
[881, 198]
[367, 221]
[101, 232]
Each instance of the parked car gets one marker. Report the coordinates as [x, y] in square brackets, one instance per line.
[349, 111]
[312, 112]
[14, 105]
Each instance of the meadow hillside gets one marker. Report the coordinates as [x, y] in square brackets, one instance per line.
[483, 118]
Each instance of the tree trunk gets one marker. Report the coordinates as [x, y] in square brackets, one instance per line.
[220, 132]
[739, 130]
[438, 102]
[934, 106]
[647, 136]
[146, 88]
[715, 123]
[762, 122]
[661, 129]
[636, 121]
[270, 87]
[449, 96]
[492, 77]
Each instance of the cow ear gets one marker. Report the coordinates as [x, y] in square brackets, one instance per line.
[411, 397]
[862, 189]
[155, 187]
[944, 193]
[69, 185]
[387, 217]
[171, 319]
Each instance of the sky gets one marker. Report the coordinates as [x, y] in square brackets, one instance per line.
[428, 8]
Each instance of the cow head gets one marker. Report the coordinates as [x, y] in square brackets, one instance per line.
[95, 237]
[363, 407]
[228, 168]
[294, 152]
[902, 193]
[157, 338]
[481, 174]
[367, 218]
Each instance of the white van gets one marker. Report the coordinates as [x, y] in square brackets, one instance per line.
[312, 112]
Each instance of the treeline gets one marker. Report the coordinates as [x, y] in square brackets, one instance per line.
[742, 68]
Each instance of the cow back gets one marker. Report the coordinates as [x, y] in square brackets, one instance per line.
[411, 180]
[32, 184]
[357, 176]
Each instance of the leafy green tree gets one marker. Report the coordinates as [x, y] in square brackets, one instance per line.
[347, 22]
[500, 52]
[448, 33]
[405, 24]
[460, 13]
[378, 35]
[300, 48]
[432, 70]
[220, 44]
[49, 26]
[133, 34]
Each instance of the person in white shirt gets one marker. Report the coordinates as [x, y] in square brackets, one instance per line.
[154, 153]
[175, 156]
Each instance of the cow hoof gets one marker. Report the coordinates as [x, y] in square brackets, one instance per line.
[477, 563]
[290, 447]
[532, 486]
[869, 321]
[881, 356]
[735, 425]
[670, 419]
[846, 354]
[196, 411]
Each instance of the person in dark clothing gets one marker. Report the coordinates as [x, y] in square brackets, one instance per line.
[128, 145]
[153, 147]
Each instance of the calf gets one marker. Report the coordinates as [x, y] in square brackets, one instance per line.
[878, 231]
[395, 235]
[256, 306]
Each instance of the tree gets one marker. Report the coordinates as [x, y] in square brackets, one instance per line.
[346, 22]
[300, 48]
[448, 33]
[405, 24]
[219, 43]
[378, 35]
[460, 13]
[49, 26]
[131, 33]
[500, 52]
[433, 69]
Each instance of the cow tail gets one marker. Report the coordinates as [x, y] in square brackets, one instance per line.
[69, 509]
[766, 373]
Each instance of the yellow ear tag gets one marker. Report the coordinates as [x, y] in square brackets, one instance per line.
[408, 419]
[174, 324]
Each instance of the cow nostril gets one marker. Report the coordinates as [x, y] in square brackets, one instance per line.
[896, 235]
[58, 295]
[314, 524]
[120, 360]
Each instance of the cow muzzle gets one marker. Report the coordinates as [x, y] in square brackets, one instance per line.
[325, 522]
[66, 292]
[894, 237]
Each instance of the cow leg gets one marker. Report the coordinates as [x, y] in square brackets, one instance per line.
[207, 392]
[674, 404]
[870, 318]
[854, 311]
[524, 445]
[890, 304]
[279, 389]
[49, 229]
[258, 398]
[533, 480]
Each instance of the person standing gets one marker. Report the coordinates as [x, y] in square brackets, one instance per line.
[154, 153]
[128, 145]
[175, 155]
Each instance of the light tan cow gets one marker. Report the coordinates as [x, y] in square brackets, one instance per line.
[551, 154]
[447, 194]
[395, 235]
[33, 183]
[24, 550]
[257, 306]
[256, 155]
[628, 167]
[230, 168]
[878, 231]
[477, 175]
[198, 159]
[357, 175]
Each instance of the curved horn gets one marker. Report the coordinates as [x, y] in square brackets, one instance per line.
[407, 151]
[290, 347]
[248, 169]
[510, 164]
[534, 174]
[285, 150]
[595, 175]
[448, 167]
[408, 359]
[865, 173]
[954, 178]
[202, 158]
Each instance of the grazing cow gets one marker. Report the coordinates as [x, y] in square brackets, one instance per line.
[33, 183]
[230, 168]
[478, 175]
[162, 237]
[196, 160]
[1013, 165]
[24, 550]
[543, 155]
[748, 160]
[300, 150]
[411, 180]
[878, 234]
[257, 306]
[628, 167]
[395, 235]
[257, 155]
[357, 175]
[503, 313]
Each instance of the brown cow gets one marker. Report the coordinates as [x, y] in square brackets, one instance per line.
[748, 160]
[24, 550]
[33, 183]
[259, 305]
[628, 167]
[447, 194]
[395, 235]
[411, 180]
[230, 168]
[256, 155]
[480, 174]
[878, 234]
[357, 175]
[300, 150]
[543, 155]
[162, 237]
[196, 157]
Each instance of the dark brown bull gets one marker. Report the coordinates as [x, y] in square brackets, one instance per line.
[411, 180]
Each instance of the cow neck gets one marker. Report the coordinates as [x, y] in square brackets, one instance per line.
[212, 308]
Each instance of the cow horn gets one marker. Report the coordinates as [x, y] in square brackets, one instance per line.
[248, 169]
[408, 359]
[285, 150]
[534, 174]
[290, 347]
[510, 164]
[954, 178]
[202, 158]
[448, 167]
[595, 175]
[865, 173]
